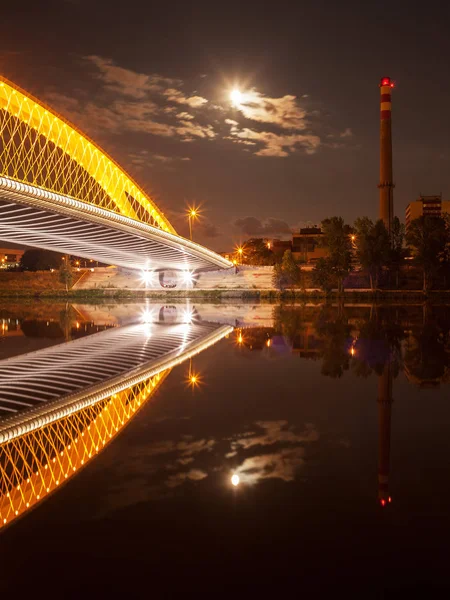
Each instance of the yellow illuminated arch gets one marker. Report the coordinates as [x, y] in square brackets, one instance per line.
[41, 148]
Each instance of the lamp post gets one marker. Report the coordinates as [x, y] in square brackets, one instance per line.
[192, 214]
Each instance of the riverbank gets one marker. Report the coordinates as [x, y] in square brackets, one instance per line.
[218, 295]
[46, 285]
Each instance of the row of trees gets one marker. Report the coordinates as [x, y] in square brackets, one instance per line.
[45, 260]
[369, 245]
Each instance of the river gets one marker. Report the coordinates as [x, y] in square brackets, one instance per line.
[217, 449]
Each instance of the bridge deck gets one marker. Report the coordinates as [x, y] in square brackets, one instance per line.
[36, 217]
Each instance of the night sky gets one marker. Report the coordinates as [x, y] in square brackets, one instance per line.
[151, 83]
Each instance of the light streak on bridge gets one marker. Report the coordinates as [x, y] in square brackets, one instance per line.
[60, 191]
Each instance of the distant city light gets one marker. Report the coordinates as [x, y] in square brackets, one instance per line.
[235, 480]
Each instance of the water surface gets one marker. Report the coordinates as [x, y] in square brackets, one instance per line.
[332, 421]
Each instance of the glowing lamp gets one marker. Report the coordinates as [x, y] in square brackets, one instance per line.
[188, 277]
[386, 81]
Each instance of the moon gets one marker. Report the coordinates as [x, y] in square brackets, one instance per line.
[236, 97]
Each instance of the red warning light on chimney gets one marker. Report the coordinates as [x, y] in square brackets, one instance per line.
[387, 81]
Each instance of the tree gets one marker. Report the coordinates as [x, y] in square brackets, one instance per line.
[429, 239]
[65, 273]
[278, 278]
[290, 269]
[40, 260]
[258, 253]
[397, 250]
[322, 275]
[372, 247]
[337, 239]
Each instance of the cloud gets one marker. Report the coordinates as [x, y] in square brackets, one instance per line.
[278, 465]
[208, 229]
[346, 133]
[189, 130]
[284, 112]
[180, 478]
[278, 144]
[126, 101]
[282, 463]
[275, 432]
[129, 101]
[174, 95]
[184, 116]
[144, 159]
[254, 226]
[126, 81]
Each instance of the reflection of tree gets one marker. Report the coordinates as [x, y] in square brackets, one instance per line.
[403, 337]
[334, 330]
[289, 321]
[66, 318]
[427, 353]
[379, 343]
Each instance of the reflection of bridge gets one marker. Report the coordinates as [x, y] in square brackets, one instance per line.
[67, 402]
[46, 385]
[59, 190]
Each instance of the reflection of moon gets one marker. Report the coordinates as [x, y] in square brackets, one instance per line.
[236, 97]
[235, 480]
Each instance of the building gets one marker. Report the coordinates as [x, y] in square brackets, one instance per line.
[426, 206]
[306, 245]
[279, 247]
[10, 257]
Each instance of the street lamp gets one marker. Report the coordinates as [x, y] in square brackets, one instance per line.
[192, 215]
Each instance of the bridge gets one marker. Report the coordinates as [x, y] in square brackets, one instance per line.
[60, 406]
[60, 191]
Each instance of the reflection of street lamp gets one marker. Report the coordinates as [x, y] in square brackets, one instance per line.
[193, 378]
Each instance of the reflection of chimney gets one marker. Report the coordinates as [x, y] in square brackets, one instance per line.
[384, 432]
[386, 185]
